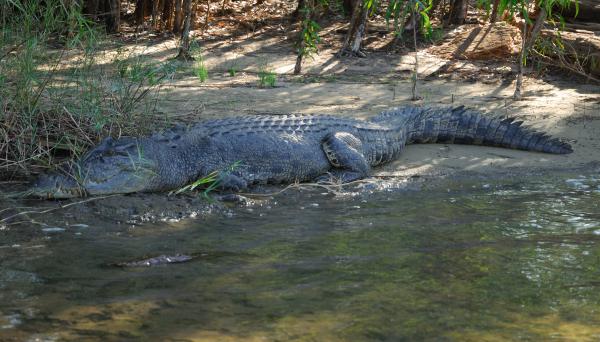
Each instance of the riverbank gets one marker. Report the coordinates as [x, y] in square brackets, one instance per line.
[561, 105]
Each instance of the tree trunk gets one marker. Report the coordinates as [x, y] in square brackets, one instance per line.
[517, 96]
[207, 17]
[113, 17]
[458, 12]
[141, 10]
[167, 12]
[415, 90]
[178, 17]
[184, 46]
[301, 42]
[348, 7]
[360, 32]
[91, 8]
[494, 15]
[528, 42]
[537, 27]
[356, 30]
[155, 4]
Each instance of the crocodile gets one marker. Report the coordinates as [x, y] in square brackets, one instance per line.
[279, 149]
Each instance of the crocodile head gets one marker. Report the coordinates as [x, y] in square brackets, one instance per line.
[113, 167]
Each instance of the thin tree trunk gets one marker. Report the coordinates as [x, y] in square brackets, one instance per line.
[91, 8]
[207, 18]
[494, 15]
[177, 21]
[348, 7]
[517, 96]
[301, 42]
[458, 12]
[184, 47]
[356, 30]
[415, 90]
[528, 42]
[155, 4]
[537, 27]
[298, 66]
[194, 17]
[141, 10]
[351, 29]
[360, 33]
[113, 17]
[167, 12]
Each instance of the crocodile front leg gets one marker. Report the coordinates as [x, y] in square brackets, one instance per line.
[344, 152]
[229, 181]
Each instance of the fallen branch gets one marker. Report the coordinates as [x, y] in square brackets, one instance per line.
[23, 213]
[334, 188]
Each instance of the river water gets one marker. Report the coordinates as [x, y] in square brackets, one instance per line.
[464, 260]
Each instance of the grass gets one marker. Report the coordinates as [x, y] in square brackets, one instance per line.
[209, 182]
[56, 100]
[232, 68]
[232, 71]
[200, 69]
[266, 77]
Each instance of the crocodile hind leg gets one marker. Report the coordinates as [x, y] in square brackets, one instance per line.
[344, 152]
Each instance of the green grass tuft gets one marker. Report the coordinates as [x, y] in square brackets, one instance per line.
[209, 182]
[232, 71]
[266, 77]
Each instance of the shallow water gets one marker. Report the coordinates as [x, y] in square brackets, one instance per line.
[462, 260]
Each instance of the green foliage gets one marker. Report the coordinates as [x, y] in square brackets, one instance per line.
[136, 78]
[400, 10]
[310, 37]
[232, 68]
[266, 77]
[522, 6]
[54, 95]
[208, 183]
[200, 69]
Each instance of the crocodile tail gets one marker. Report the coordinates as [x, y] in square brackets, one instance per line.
[459, 125]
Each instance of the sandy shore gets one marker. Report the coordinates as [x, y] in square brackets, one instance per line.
[562, 106]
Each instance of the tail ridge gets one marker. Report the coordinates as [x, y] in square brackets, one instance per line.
[461, 125]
